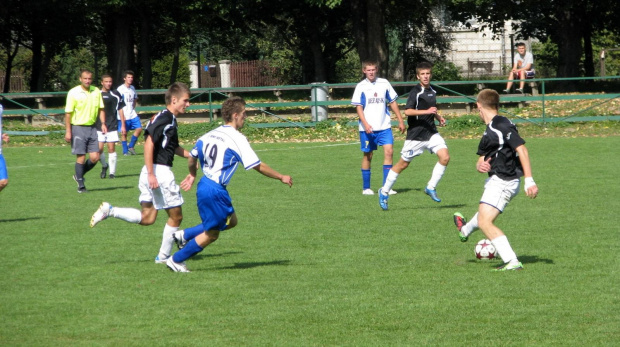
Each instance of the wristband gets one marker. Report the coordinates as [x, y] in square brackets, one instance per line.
[529, 182]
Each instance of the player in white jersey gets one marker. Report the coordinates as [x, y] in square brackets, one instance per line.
[219, 153]
[375, 125]
[4, 175]
[132, 121]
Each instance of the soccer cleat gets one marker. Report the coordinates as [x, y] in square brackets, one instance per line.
[392, 192]
[176, 267]
[519, 90]
[82, 190]
[126, 154]
[80, 186]
[506, 91]
[432, 193]
[368, 191]
[460, 221]
[161, 260]
[102, 213]
[383, 199]
[112, 176]
[104, 171]
[132, 151]
[178, 237]
[510, 267]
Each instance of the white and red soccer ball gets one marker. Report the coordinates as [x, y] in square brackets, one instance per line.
[485, 250]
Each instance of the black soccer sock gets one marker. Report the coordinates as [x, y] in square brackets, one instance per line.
[88, 165]
[79, 174]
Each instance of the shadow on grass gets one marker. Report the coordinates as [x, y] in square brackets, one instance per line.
[531, 259]
[18, 219]
[110, 188]
[250, 265]
[127, 175]
[211, 255]
[525, 259]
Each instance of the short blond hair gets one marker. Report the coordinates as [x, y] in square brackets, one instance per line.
[488, 98]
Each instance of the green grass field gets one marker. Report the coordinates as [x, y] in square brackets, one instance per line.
[317, 264]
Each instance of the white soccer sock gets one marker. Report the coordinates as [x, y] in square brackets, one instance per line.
[503, 248]
[389, 181]
[167, 241]
[127, 214]
[436, 176]
[471, 226]
[112, 163]
[102, 159]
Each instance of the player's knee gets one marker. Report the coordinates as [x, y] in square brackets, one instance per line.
[444, 159]
[389, 152]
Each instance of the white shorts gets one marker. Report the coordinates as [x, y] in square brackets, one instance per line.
[499, 192]
[110, 136]
[413, 148]
[168, 194]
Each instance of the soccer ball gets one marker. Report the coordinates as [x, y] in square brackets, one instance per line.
[485, 250]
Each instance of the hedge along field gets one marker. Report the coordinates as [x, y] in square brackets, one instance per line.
[319, 263]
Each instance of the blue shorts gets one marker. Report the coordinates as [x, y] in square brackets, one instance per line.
[369, 142]
[131, 124]
[4, 175]
[214, 205]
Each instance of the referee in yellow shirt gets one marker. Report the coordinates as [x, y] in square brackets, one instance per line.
[84, 105]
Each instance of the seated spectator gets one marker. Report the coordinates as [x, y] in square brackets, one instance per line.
[522, 68]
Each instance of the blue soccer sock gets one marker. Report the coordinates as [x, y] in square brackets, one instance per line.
[192, 232]
[366, 179]
[187, 252]
[132, 143]
[386, 171]
[125, 148]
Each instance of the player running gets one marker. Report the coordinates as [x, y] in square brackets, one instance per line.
[219, 153]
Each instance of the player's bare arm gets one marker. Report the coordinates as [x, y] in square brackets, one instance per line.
[104, 128]
[269, 172]
[149, 147]
[187, 183]
[123, 127]
[530, 187]
[396, 110]
[360, 113]
[482, 165]
[68, 127]
[181, 152]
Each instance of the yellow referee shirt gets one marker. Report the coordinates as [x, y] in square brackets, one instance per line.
[84, 105]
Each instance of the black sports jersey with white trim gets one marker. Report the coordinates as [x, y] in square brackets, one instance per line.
[162, 128]
[112, 102]
[499, 141]
[421, 128]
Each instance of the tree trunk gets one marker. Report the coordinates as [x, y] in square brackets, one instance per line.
[119, 44]
[317, 57]
[369, 31]
[569, 36]
[145, 50]
[175, 60]
[37, 58]
[588, 63]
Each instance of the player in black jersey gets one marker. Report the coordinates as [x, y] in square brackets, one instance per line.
[158, 189]
[113, 107]
[504, 157]
[422, 134]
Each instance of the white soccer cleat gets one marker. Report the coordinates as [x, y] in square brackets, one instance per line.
[368, 192]
[102, 213]
[161, 260]
[179, 239]
[392, 192]
[176, 267]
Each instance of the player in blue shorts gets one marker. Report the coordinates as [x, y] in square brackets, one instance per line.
[4, 175]
[219, 153]
[375, 126]
[132, 120]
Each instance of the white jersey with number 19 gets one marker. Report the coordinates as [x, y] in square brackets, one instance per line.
[220, 151]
